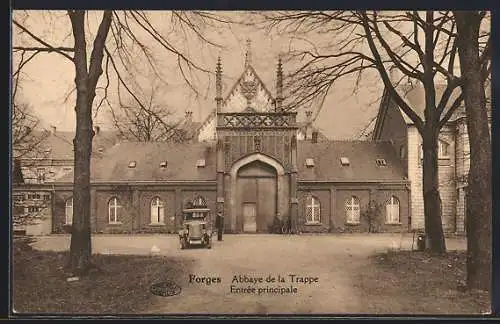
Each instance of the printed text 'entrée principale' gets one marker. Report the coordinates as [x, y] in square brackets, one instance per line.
[283, 284]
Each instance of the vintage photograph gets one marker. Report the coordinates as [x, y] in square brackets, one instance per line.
[250, 163]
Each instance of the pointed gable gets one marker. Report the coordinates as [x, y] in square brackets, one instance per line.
[248, 90]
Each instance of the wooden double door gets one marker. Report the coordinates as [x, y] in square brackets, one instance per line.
[257, 196]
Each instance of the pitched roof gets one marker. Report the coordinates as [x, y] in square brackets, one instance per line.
[362, 157]
[59, 145]
[113, 166]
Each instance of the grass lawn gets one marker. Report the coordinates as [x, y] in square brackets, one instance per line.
[408, 282]
[122, 287]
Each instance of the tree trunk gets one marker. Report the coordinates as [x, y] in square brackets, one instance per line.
[432, 202]
[479, 196]
[86, 82]
[80, 248]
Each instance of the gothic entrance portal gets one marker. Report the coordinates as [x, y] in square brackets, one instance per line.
[256, 197]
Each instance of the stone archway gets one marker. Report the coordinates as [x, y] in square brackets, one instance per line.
[256, 195]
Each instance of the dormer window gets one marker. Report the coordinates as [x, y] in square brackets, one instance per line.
[163, 164]
[132, 164]
[381, 162]
[344, 161]
[200, 163]
[309, 163]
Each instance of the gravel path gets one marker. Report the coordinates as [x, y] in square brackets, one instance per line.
[325, 262]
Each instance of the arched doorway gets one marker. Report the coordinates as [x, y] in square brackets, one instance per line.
[258, 188]
[256, 196]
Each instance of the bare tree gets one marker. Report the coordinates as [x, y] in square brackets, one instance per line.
[153, 122]
[127, 31]
[26, 139]
[479, 195]
[25, 135]
[422, 47]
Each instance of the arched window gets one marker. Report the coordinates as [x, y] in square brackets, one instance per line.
[352, 210]
[69, 211]
[157, 211]
[392, 211]
[313, 210]
[113, 210]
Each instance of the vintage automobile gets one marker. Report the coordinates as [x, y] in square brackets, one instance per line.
[196, 228]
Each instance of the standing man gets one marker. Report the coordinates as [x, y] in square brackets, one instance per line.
[219, 223]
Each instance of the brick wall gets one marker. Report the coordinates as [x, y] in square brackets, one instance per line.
[323, 195]
[145, 223]
[341, 197]
[380, 196]
[332, 198]
[125, 211]
[134, 212]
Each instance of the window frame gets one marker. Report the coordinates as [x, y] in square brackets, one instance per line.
[353, 202]
[392, 202]
[310, 204]
[443, 144]
[115, 207]
[66, 207]
[159, 206]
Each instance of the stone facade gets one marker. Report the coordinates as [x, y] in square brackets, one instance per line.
[453, 158]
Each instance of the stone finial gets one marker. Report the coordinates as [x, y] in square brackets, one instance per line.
[218, 83]
[248, 54]
[279, 85]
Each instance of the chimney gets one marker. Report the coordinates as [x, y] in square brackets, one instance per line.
[189, 116]
[53, 129]
[308, 134]
[314, 138]
[97, 129]
[309, 114]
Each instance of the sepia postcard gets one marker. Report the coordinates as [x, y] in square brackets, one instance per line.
[250, 163]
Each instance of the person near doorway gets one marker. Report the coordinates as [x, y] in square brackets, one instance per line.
[219, 224]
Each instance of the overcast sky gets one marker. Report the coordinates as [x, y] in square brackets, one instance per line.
[49, 78]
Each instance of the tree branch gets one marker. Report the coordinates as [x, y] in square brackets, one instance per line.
[41, 41]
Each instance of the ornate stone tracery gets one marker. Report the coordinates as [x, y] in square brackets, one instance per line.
[256, 120]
